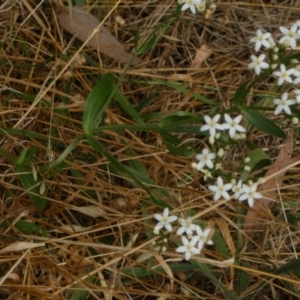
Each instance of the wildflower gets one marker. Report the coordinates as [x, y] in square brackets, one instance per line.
[297, 92]
[212, 125]
[206, 173]
[296, 73]
[202, 236]
[191, 4]
[249, 193]
[188, 248]
[233, 125]
[295, 121]
[283, 75]
[205, 159]
[283, 104]
[220, 152]
[261, 39]
[258, 63]
[186, 227]
[164, 220]
[237, 189]
[220, 189]
[290, 35]
[201, 5]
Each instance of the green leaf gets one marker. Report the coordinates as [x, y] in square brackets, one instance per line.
[173, 144]
[179, 118]
[292, 266]
[30, 184]
[27, 228]
[128, 107]
[257, 156]
[262, 123]
[240, 95]
[96, 102]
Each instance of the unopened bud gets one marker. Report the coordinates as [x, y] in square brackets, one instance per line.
[247, 159]
[295, 120]
[211, 140]
[220, 152]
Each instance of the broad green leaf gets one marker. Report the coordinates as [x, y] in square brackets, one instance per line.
[292, 267]
[240, 95]
[243, 281]
[96, 102]
[262, 123]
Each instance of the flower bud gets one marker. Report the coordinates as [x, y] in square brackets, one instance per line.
[220, 152]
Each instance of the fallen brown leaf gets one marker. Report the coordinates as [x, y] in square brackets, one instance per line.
[83, 24]
[202, 54]
[269, 188]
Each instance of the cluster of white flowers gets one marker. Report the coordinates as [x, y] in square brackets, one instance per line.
[193, 240]
[193, 5]
[285, 74]
[233, 125]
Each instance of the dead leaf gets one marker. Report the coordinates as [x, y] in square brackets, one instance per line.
[82, 24]
[202, 54]
[269, 188]
[91, 210]
[18, 246]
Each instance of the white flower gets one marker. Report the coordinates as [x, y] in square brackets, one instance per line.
[290, 35]
[186, 227]
[191, 4]
[164, 220]
[249, 193]
[201, 5]
[233, 125]
[188, 248]
[237, 189]
[261, 39]
[206, 174]
[220, 189]
[284, 75]
[205, 159]
[202, 237]
[297, 92]
[296, 73]
[212, 125]
[283, 104]
[258, 63]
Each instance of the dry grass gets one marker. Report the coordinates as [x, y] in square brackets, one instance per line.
[99, 222]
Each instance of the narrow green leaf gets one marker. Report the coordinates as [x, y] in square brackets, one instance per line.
[31, 186]
[262, 123]
[128, 107]
[96, 102]
[292, 266]
[257, 156]
[28, 228]
[179, 118]
[240, 95]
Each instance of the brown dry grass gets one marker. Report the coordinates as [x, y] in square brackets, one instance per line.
[89, 249]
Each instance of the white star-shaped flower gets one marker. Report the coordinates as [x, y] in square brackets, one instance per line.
[261, 39]
[190, 4]
[249, 194]
[188, 248]
[220, 189]
[205, 158]
[187, 227]
[233, 125]
[290, 35]
[284, 75]
[258, 63]
[237, 189]
[212, 125]
[283, 104]
[164, 221]
[201, 237]
[201, 5]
